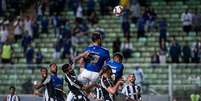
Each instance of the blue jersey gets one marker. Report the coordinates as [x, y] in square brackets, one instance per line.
[117, 68]
[98, 55]
[57, 81]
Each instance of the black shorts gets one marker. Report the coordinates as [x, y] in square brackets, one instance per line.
[187, 28]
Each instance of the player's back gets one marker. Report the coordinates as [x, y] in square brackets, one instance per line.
[97, 56]
[117, 68]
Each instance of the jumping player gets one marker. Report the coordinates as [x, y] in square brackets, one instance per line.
[116, 65]
[94, 57]
[76, 88]
[108, 87]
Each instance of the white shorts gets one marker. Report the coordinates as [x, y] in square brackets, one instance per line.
[88, 76]
[70, 96]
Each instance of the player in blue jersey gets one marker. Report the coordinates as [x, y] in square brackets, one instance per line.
[94, 57]
[116, 65]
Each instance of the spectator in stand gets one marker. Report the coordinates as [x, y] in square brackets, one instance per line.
[146, 15]
[186, 53]
[90, 7]
[175, 51]
[73, 4]
[66, 48]
[35, 28]
[151, 20]
[116, 45]
[55, 20]
[104, 7]
[196, 19]
[39, 57]
[4, 33]
[163, 30]
[196, 52]
[44, 24]
[26, 41]
[6, 52]
[79, 13]
[135, 11]
[141, 28]
[57, 49]
[127, 48]
[27, 25]
[18, 29]
[186, 19]
[30, 56]
[93, 18]
[155, 58]
[125, 23]
[139, 75]
[163, 51]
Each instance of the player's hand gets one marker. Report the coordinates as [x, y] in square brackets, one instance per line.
[121, 81]
[86, 54]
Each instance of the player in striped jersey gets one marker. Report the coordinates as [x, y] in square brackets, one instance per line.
[132, 91]
[107, 84]
[12, 96]
[76, 87]
[45, 82]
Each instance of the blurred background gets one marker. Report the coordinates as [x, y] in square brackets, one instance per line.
[160, 41]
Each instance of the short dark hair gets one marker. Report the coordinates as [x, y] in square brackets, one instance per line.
[118, 54]
[65, 67]
[12, 87]
[95, 36]
[105, 69]
[43, 68]
[52, 64]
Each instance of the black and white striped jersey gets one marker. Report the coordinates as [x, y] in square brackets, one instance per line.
[12, 98]
[132, 91]
[76, 88]
[105, 83]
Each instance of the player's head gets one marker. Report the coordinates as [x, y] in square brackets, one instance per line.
[131, 78]
[118, 57]
[106, 70]
[67, 68]
[53, 68]
[12, 90]
[43, 72]
[96, 38]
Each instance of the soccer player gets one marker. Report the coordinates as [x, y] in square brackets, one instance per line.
[108, 87]
[76, 88]
[12, 96]
[132, 91]
[53, 83]
[46, 82]
[116, 65]
[94, 57]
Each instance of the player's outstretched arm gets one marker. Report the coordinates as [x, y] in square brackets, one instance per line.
[82, 55]
[113, 89]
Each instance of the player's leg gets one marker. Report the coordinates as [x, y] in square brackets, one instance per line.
[84, 76]
[70, 96]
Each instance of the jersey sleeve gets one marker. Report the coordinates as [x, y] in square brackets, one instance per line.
[124, 90]
[74, 82]
[46, 81]
[107, 58]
